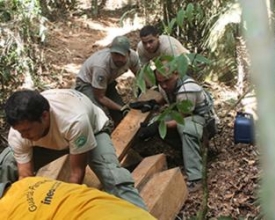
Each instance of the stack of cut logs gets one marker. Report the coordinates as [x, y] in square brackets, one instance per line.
[163, 190]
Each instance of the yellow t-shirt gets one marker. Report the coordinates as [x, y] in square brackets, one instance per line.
[42, 198]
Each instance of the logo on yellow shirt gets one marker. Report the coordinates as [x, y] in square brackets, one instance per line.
[80, 141]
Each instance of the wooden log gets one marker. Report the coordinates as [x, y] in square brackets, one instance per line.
[91, 179]
[122, 138]
[125, 132]
[58, 169]
[165, 194]
[147, 168]
[131, 159]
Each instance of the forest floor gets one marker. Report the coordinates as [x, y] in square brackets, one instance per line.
[232, 169]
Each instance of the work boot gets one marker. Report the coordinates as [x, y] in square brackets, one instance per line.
[194, 185]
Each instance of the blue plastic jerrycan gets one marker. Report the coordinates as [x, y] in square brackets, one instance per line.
[244, 131]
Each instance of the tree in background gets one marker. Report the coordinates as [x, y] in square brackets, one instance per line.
[259, 35]
[22, 30]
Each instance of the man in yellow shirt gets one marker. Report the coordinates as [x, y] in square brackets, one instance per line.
[43, 198]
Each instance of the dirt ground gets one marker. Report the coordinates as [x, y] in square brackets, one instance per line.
[233, 169]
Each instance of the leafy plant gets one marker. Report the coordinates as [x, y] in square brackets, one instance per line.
[20, 35]
[180, 64]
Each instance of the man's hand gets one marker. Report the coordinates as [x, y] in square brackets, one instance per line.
[124, 110]
[25, 169]
[145, 106]
[149, 131]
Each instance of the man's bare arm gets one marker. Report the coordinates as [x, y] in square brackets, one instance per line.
[104, 100]
[25, 169]
[78, 163]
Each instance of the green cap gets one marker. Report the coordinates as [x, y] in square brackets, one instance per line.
[3, 186]
[121, 45]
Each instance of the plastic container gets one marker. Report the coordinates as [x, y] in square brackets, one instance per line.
[244, 128]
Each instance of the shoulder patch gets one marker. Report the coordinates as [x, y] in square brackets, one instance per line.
[80, 141]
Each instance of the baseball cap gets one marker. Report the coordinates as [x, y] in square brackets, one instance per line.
[121, 45]
[3, 186]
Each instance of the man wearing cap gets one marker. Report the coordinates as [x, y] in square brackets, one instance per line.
[43, 198]
[153, 45]
[97, 76]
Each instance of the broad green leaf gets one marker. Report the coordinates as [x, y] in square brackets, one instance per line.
[141, 84]
[171, 25]
[191, 57]
[163, 115]
[165, 57]
[189, 12]
[159, 63]
[182, 64]
[149, 74]
[173, 65]
[140, 80]
[199, 17]
[184, 106]
[160, 117]
[195, 58]
[199, 13]
[159, 67]
[180, 18]
[177, 117]
[162, 129]
[202, 59]
[190, 8]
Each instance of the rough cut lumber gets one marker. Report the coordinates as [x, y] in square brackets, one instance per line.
[165, 194]
[131, 159]
[57, 169]
[122, 138]
[91, 179]
[147, 168]
[125, 132]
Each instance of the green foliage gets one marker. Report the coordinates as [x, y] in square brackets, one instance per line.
[208, 28]
[189, 22]
[53, 9]
[180, 64]
[64, 4]
[221, 41]
[146, 72]
[167, 65]
[23, 28]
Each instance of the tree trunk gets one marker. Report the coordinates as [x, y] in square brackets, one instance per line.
[242, 64]
[260, 40]
[94, 8]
